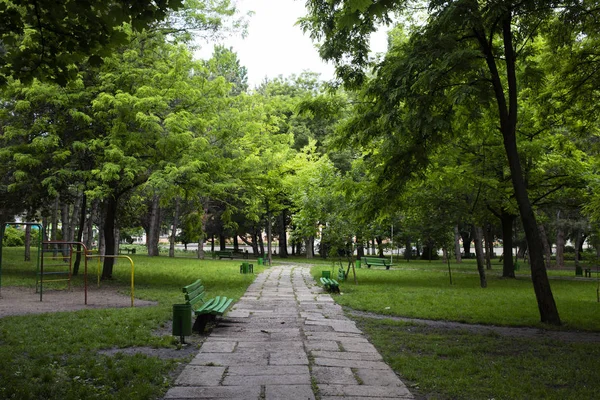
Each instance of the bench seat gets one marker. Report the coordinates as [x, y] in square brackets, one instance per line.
[381, 262]
[224, 254]
[331, 285]
[205, 310]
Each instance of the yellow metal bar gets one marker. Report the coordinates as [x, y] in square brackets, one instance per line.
[132, 272]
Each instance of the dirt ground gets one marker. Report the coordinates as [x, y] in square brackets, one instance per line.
[24, 300]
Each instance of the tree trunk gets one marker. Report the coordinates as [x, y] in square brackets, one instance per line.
[508, 267]
[360, 249]
[578, 243]
[283, 253]
[560, 247]
[65, 225]
[202, 236]
[269, 239]
[80, 229]
[27, 256]
[310, 243]
[478, 238]
[467, 239]
[546, 244]
[174, 228]
[408, 250]
[110, 217]
[261, 244]
[457, 244]
[508, 126]
[489, 246]
[222, 244]
[154, 228]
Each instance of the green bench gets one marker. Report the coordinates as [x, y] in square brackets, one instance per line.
[331, 285]
[341, 274]
[224, 254]
[205, 310]
[380, 262]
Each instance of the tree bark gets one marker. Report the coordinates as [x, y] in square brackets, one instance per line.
[478, 239]
[546, 244]
[174, 228]
[27, 255]
[80, 229]
[508, 126]
[283, 253]
[110, 217]
[457, 244]
[154, 228]
[560, 247]
[489, 246]
[310, 243]
[508, 267]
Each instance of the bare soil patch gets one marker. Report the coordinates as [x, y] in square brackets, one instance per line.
[24, 300]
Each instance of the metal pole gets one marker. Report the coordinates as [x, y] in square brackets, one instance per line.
[392, 255]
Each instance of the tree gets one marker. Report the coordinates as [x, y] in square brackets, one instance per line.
[466, 52]
[45, 39]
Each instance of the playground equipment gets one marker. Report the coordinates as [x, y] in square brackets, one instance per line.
[56, 255]
[99, 257]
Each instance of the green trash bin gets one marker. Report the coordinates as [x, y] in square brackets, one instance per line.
[182, 320]
[326, 274]
[357, 263]
[260, 261]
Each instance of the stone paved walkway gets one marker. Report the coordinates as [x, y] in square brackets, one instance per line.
[287, 339]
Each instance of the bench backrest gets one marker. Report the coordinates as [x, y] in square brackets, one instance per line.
[194, 293]
[374, 259]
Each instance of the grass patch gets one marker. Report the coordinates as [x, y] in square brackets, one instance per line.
[55, 356]
[455, 364]
[448, 363]
[423, 290]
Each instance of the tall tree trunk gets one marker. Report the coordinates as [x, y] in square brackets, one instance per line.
[222, 244]
[283, 245]
[310, 243]
[379, 241]
[174, 228]
[154, 229]
[508, 267]
[202, 236]
[467, 238]
[65, 224]
[489, 245]
[508, 126]
[546, 244]
[408, 250]
[360, 249]
[80, 229]
[261, 244]
[269, 237]
[54, 228]
[27, 256]
[110, 216]
[478, 239]
[578, 243]
[560, 246]
[457, 244]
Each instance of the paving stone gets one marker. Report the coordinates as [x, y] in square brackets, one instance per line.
[314, 345]
[333, 362]
[334, 375]
[358, 347]
[269, 370]
[379, 377]
[252, 380]
[219, 392]
[364, 391]
[231, 359]
[287, 392]
[213, 346]
[193, 375]
[288, 358]
[346, 355]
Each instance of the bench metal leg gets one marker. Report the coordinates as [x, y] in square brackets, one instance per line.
[201, 321]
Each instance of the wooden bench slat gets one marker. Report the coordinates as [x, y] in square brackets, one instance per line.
[191, 287]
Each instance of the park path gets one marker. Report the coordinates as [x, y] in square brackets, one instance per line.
[287, 339]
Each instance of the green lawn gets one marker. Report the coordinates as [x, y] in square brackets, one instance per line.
[55, 356]
[445, 363]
